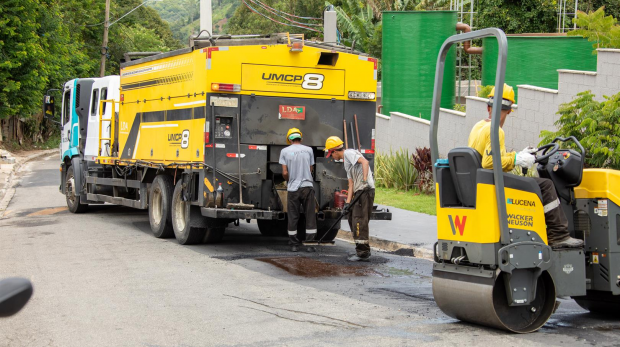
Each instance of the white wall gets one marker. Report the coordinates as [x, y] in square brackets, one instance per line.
[535, 112]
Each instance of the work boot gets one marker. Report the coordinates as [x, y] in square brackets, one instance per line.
[355, 257]
[294, 242]
[569, 242]
[310, 237]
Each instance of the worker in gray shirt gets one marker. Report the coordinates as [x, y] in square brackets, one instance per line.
[361, 189]
[297, 161]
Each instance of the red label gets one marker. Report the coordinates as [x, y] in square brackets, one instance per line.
[252, 147]
[206, 137]
[292, 112]
[457, 224]
[122, 97]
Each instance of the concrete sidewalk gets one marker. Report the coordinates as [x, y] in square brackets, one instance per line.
[8, 168]
[407, 230]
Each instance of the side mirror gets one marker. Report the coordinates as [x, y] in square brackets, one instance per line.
[14, 294]
[48, 106]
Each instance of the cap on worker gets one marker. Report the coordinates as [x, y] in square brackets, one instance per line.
[332, 142]
[293, 133]
[508, 97]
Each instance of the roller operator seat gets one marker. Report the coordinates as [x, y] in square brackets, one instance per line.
[464, 164]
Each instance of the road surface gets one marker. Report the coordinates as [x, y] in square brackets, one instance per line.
[101, 279]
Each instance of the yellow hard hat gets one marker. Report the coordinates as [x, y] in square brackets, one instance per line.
[508, 94]
[333, 142]
[292, 131]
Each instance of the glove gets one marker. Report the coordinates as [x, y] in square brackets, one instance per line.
[524, 159]
[530, 150]
[346, 208]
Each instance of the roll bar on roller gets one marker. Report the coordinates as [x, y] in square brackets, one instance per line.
[495, 119]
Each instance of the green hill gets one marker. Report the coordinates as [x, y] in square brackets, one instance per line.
[183, 16]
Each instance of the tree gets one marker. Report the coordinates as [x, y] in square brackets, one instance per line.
[595, 124]
[603, 30]
[518, 16]
[44, 43]
[611, 6]
[245, 21]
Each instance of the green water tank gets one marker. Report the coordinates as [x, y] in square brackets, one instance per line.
[535, 58]
[411, 43]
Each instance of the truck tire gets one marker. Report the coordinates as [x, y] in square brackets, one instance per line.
[188, 224]
[73, 199]
[323, 226]
[214, 235]
[160, 200]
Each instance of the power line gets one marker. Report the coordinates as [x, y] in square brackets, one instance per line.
[273, 20]
[292, 15]
[288, 19]
[126, 14]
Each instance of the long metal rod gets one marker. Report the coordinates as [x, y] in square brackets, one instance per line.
[352, 135]
[498, 175]
[346, 140]
[357, 133]
[239, 158]
[213, 151]
[576, 9]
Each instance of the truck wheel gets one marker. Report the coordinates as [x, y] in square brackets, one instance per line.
[187, 222]
[268, 227]
[323, 226]
[214, 235]
[73, 199]
[160, 200]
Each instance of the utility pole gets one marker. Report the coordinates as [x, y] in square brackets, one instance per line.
[104, 46]
[206, 19]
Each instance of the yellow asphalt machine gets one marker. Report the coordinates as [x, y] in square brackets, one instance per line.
[493, 265]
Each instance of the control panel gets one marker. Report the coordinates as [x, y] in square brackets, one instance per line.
[223, 127]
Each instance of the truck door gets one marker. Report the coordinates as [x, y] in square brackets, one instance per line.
[67, 121]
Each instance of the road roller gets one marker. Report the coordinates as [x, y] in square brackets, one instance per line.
[492, 262]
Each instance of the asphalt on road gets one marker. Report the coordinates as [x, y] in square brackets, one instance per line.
[101, 279]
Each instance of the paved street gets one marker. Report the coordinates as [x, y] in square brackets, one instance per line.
[101, 279]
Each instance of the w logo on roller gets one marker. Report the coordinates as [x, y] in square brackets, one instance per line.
[457, 223]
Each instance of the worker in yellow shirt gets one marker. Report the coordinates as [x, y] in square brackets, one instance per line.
[480, 140]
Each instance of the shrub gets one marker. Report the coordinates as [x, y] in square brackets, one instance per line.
[459, 107]
[394, 170]
[595, 124]
[485, 91]
[422, 162]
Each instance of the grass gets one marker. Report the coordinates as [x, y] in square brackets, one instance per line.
[411, 200]
[13, 146]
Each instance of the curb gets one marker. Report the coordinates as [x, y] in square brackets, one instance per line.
[389, 246]
[7, 192]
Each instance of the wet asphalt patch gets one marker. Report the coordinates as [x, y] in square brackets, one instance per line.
[309, 267]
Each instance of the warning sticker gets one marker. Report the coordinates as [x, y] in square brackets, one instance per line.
[594, 258]
[601, 208]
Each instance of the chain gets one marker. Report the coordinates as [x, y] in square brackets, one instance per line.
[325, 174]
